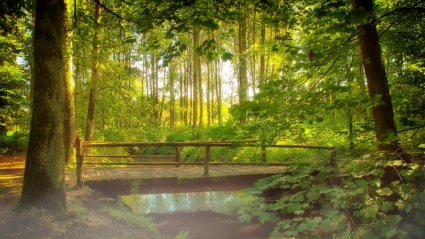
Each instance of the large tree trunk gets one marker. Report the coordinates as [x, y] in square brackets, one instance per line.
[376, 81]
[69, 123]
[43, 185]
[95, 75]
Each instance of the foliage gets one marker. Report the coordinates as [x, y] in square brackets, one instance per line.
[346, 201]
[14, 142]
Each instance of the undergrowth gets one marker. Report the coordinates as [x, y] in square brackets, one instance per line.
[349, 200]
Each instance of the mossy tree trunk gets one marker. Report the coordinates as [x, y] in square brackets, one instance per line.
[95, 75]
[69, 123]
[43, 185]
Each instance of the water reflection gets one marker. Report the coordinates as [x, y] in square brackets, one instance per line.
[220, 202]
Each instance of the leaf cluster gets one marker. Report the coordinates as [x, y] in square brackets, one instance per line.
[347, 201]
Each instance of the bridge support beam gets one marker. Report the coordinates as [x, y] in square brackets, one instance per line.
[80, 162]
[207, 161]
[177, 155]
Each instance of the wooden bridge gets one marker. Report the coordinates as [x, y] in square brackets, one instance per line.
[173, 172]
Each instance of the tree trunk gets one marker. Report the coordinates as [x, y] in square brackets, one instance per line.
[242, 73]
[95, 75]
[44, 178]
[243, 85]
[69, 123]
[262, 57]
[196, 76]
[377, 81]
[208, 95]
[218, 89]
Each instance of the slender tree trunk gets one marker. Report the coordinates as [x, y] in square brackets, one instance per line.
[208, 95]
[218, 86]
[69, 123]
[44, 178]
[242, 72]
[162, 98]
[254, 57]
[196, 76]
[186, 93]
[262, 57]
[95, 75]
[172, 74]
[377, 81]
[181, 102]
[201, 93]
[242, 62]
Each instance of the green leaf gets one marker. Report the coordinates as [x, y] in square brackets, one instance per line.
[245, 217]
[370, 212]
[361, 183]
[384, 191]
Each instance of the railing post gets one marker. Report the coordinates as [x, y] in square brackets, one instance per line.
[80, 161]
[207, 161]
[333, 157]
[177, 155]
[263, 153]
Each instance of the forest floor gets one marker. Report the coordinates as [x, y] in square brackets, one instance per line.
[93, 216]
[86, 217]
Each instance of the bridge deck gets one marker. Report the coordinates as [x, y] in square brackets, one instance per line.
[180, 172]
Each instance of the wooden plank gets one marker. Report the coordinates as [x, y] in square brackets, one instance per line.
[135, 144]
[300, 146]
[188, 163]
[130, 156]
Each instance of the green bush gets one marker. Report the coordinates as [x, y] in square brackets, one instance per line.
[14, 142]
[347, 201]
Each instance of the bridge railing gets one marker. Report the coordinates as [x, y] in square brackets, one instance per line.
[81, 147]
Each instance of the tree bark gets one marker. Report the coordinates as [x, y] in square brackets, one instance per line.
[196, 76]
[262, 56]
[95, 75]
[44, 178]
[69, 122]
[377, 82]
[243, 81]
[208, 95]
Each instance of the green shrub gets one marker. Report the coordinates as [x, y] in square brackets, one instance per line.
[348, 201]
[14, 142]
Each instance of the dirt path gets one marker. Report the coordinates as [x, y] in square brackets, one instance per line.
[86, 221]
[11, 175]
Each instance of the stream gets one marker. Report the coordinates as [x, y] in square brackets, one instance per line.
[205, 215]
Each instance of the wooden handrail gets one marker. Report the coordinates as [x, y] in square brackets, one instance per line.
[161, 144]
[187, 163]
[130, 156]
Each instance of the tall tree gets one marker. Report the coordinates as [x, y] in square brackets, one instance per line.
[95, 73]
[69, 123]
[43, 185]
[242, 71]
[196, 75]
[377, 82]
